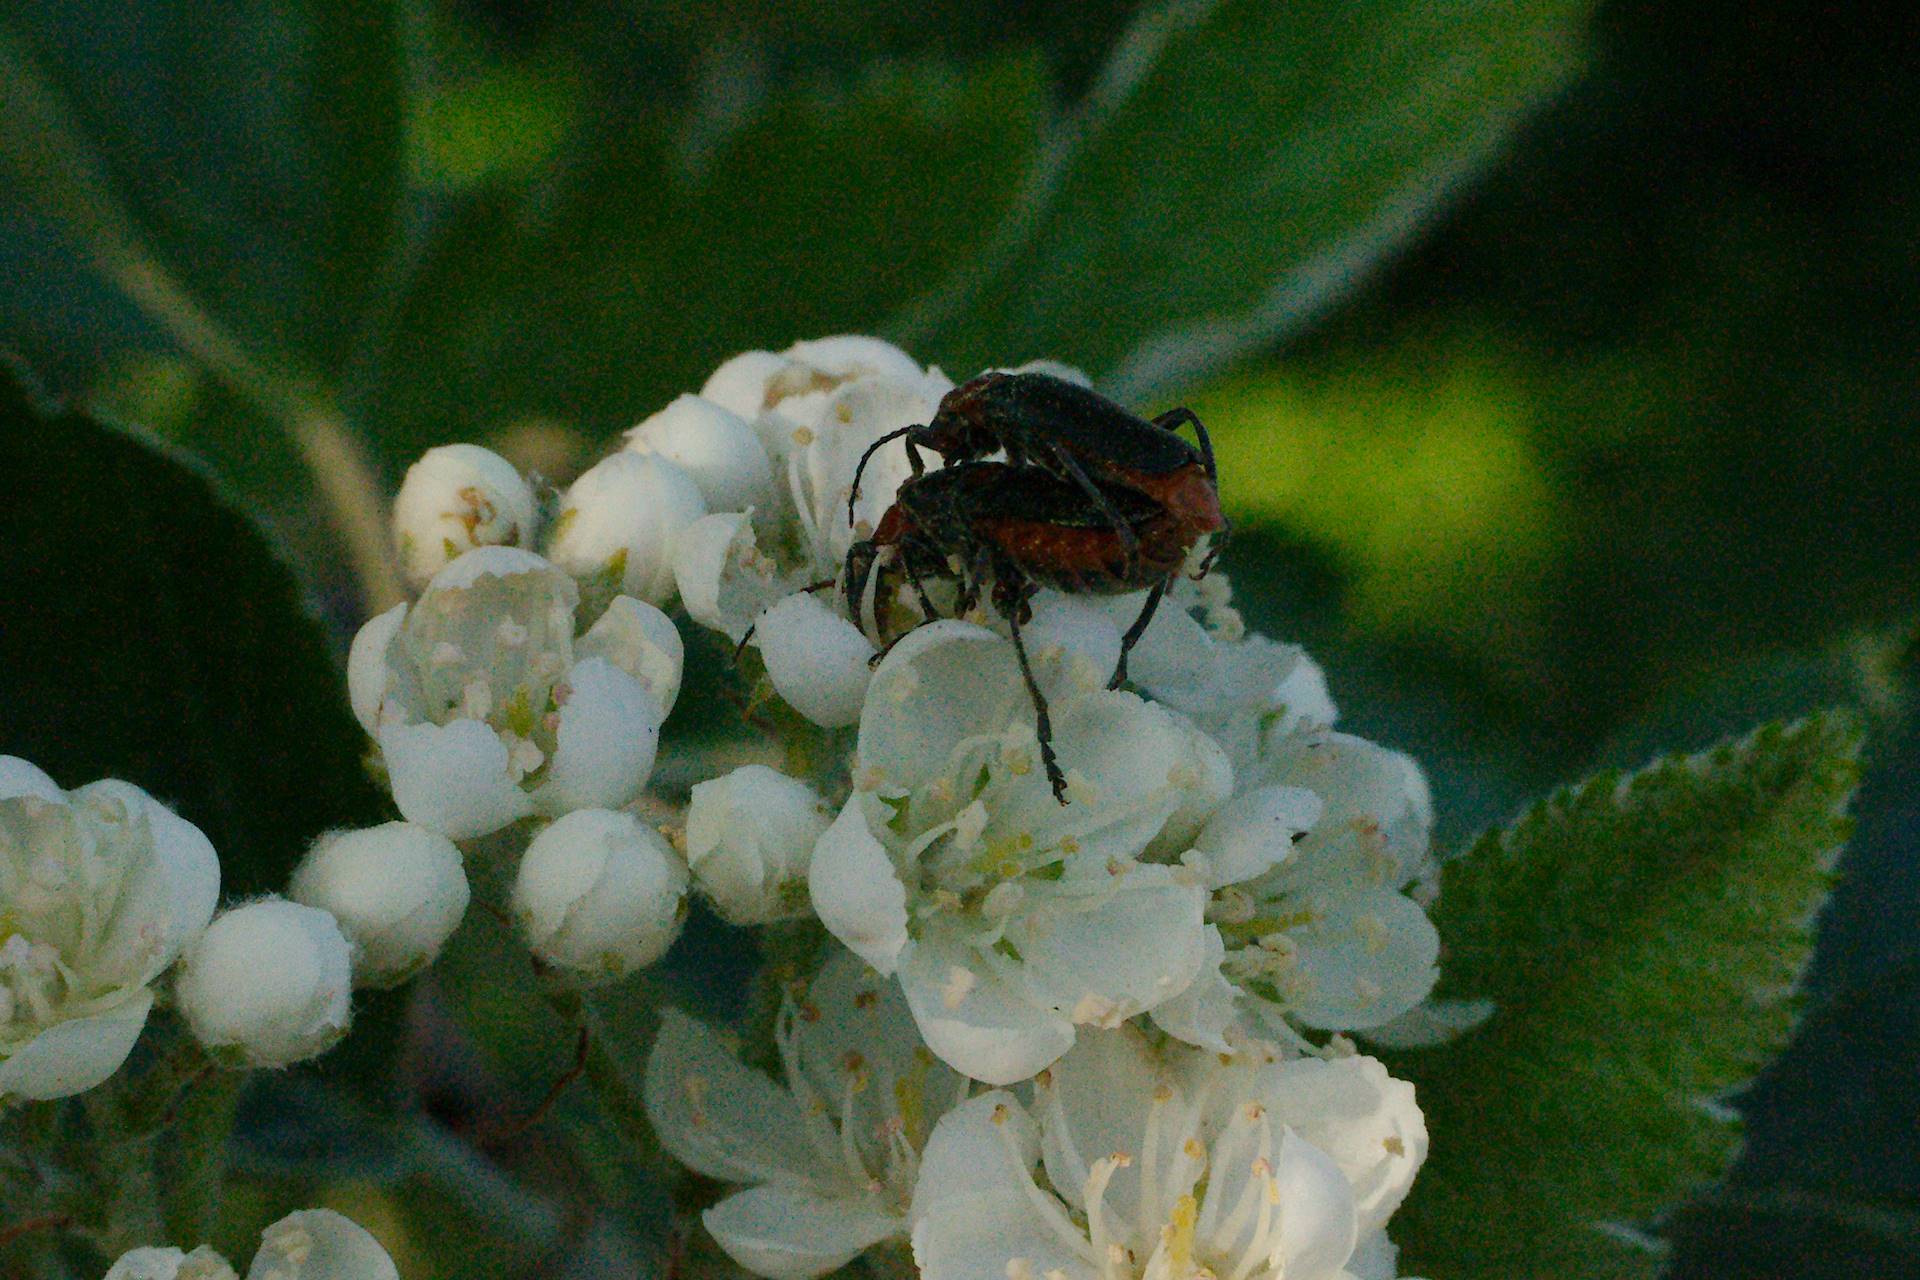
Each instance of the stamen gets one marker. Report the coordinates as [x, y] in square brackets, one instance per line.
[1043, 1204]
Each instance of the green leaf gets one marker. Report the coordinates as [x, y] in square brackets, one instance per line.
[821, 214]
[151, 634]
[254, 147]
[1238, 165]
[1641, 936]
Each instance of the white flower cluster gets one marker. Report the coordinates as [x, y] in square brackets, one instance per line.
[1146, 976]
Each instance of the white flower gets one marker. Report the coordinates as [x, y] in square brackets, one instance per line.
[618, 522]
[600, 894]
[455, 498]
[396, 890]
[750, 836]
[1167, 1166]
[1009, 917]
[268, 984]
[817, 410]
[829, 1155]
[715, 446]
[311, 1244]
[1198, 659]
[1325, 934]
[100, 890]
[780, 394]
[487, 708]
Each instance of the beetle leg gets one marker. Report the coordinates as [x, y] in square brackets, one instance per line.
[1214, 549]
[1014, 603]
[913, 457]
[1134, 632]
[1128, 538]
[1174, 419]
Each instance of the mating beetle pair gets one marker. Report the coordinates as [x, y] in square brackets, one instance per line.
[1090, 498]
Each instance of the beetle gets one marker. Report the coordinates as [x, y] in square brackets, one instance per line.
[1022, 527]
[1077, 434]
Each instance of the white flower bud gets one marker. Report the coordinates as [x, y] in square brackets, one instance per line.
[619, 521]
[601, 894]
[319, 1244]
[396, 890]
[456, 498]
[740, 384]
[817, 659]
[268, 983]
[713, 445]
[750, 836]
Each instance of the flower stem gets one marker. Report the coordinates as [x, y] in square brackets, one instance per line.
[51, 157]
[196, 1155]
[608, 1079]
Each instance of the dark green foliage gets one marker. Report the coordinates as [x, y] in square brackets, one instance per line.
[152, 635]
[1642, 936]
[1237, 166]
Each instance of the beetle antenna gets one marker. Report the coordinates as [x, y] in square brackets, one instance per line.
[854, 492]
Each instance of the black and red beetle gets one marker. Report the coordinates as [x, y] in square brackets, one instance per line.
[1077, 434]
[1022, 527]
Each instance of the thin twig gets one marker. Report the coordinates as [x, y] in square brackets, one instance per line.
[38, 136]
[495, 1135]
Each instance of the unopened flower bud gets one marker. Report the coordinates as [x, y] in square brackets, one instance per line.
[713, 445]
[618, 522]
[600, 894]
[750, 836]
[817, 659]
[268, 983]
[456, 498]
[319, 1244]
[740, 385]
[396, 890]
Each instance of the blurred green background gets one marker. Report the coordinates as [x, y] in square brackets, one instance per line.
[1561, 356]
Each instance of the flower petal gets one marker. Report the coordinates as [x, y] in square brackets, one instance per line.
[990, 1236]
[643, 642]
[1318, 1229]
[604, 749]
[1366, 959]
[1207, 1012]
[725, 580]
[855, 890]
[974, 1020]
[985, 1143]
[1365, 1120]
[945, 682]
[793, 1233]
[818, 661]
[73, 1056]
[19, 778]
[369, 674]
[452, 778]
[720, 1117]
[1101, 955]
